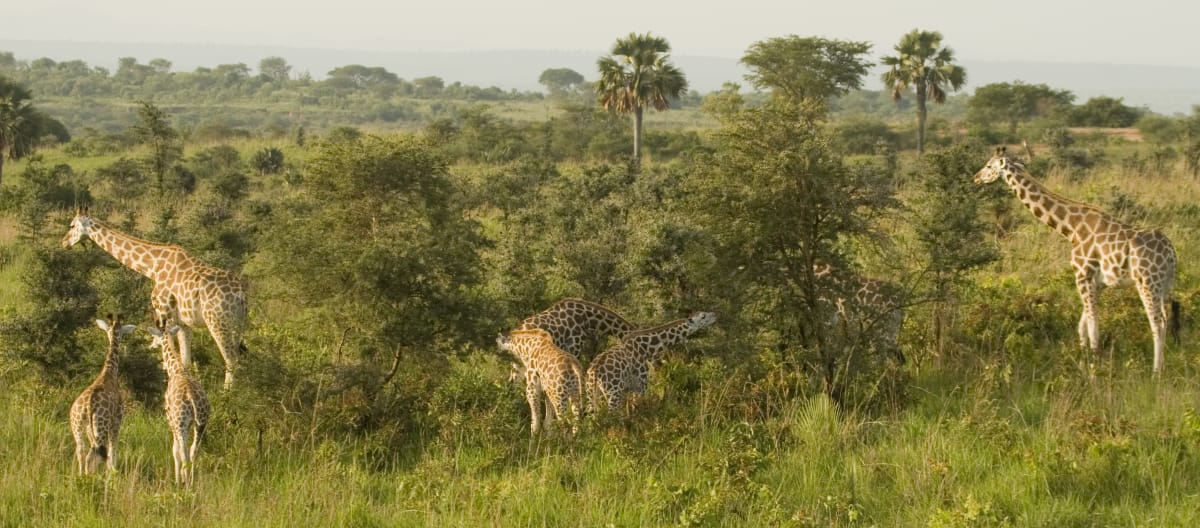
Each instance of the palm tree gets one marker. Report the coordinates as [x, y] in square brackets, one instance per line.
[20, 122]
[923, 63]
[638, 74]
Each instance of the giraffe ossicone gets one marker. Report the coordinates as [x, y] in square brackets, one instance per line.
[1104, 252]
[186, 290]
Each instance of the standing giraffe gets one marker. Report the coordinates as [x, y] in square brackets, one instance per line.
[185, 403]
[1104, 252]
[876, 305]
[185, 289]
[96, 414]
[571, 321]
[549, 371]
[625, 368]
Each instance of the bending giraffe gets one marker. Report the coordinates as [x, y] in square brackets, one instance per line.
[571, 321]
[625, 369]
[185, 289]
[97, 413]
[1104, 252]
[550, 373]
[185, 403]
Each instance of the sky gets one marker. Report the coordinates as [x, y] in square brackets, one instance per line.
[1151, 32]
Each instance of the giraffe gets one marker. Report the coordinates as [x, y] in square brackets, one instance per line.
[185, 289]
[1104, 252]
[625, 368]
[571, 321]
[96, 414]
[185, 403]
[549, 371]
[875, 305]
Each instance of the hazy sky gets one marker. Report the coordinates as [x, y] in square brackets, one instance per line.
[1158, 32]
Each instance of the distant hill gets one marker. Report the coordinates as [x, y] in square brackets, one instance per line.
[1162, 89]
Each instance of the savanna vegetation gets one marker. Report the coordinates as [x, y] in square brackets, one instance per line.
[388, 229]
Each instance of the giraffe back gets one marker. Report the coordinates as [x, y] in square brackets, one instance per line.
[572, 322]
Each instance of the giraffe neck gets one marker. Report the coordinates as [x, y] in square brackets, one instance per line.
[1045, 205]
[171, 362]
[525, 344]
[147, 258]
[110, 360]
[650, 342]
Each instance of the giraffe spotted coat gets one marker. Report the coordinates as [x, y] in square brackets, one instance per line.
[97, 413]
[185, 289]
[625, 368]
[1104, 251]
[572, 322]
[553, 377]
[185, 403]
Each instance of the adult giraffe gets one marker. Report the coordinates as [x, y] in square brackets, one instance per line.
[1104, 252]
[185, 289]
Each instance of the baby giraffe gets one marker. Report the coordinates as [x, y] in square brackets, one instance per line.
[96, 414]
[185, 403]
[549, 372]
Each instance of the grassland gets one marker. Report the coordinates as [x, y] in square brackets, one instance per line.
[1030, 432]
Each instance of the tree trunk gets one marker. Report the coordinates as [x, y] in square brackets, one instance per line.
[1, 165]
[921, 118]
[637, 134]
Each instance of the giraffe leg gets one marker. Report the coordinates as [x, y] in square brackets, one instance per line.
[533, 394]
[228, 339]
[112, 452]
[1089, 293]
[178, 452]
[1154, 305]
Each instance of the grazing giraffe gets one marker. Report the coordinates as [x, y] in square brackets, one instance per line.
[625, 368]
[185, 403]
[549, 371]
[96, 414]
[571, 321]
[185, 289]
[1104, 252]
[875, 306]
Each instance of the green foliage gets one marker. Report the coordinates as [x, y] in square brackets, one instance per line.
[1014, 103]
[267, 161]
[949, 230]
[807, 69]
[394, 257]
[1104, 112]
[794, 199]
[560, 81]
[863, 135]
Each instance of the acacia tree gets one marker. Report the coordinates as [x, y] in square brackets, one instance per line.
[154, 129]
[795, 201]
[560, 81]
[20, 122]
[928, 67]
[1015, 103]
[638, 73]
[810, 68]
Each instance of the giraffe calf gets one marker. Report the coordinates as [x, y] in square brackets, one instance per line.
[550, 374]
[97, 413]
[185, 402]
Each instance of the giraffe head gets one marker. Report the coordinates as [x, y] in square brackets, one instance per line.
[162, 334]
[81, 226]
[1000, 165]
[504, 342]
[112, 327]
[700, 320]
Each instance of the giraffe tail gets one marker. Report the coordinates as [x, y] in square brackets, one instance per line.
[1176, 323]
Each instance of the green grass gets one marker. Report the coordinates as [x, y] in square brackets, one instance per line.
[975, 448]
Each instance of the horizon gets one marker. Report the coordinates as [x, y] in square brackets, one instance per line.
[1162, 89]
